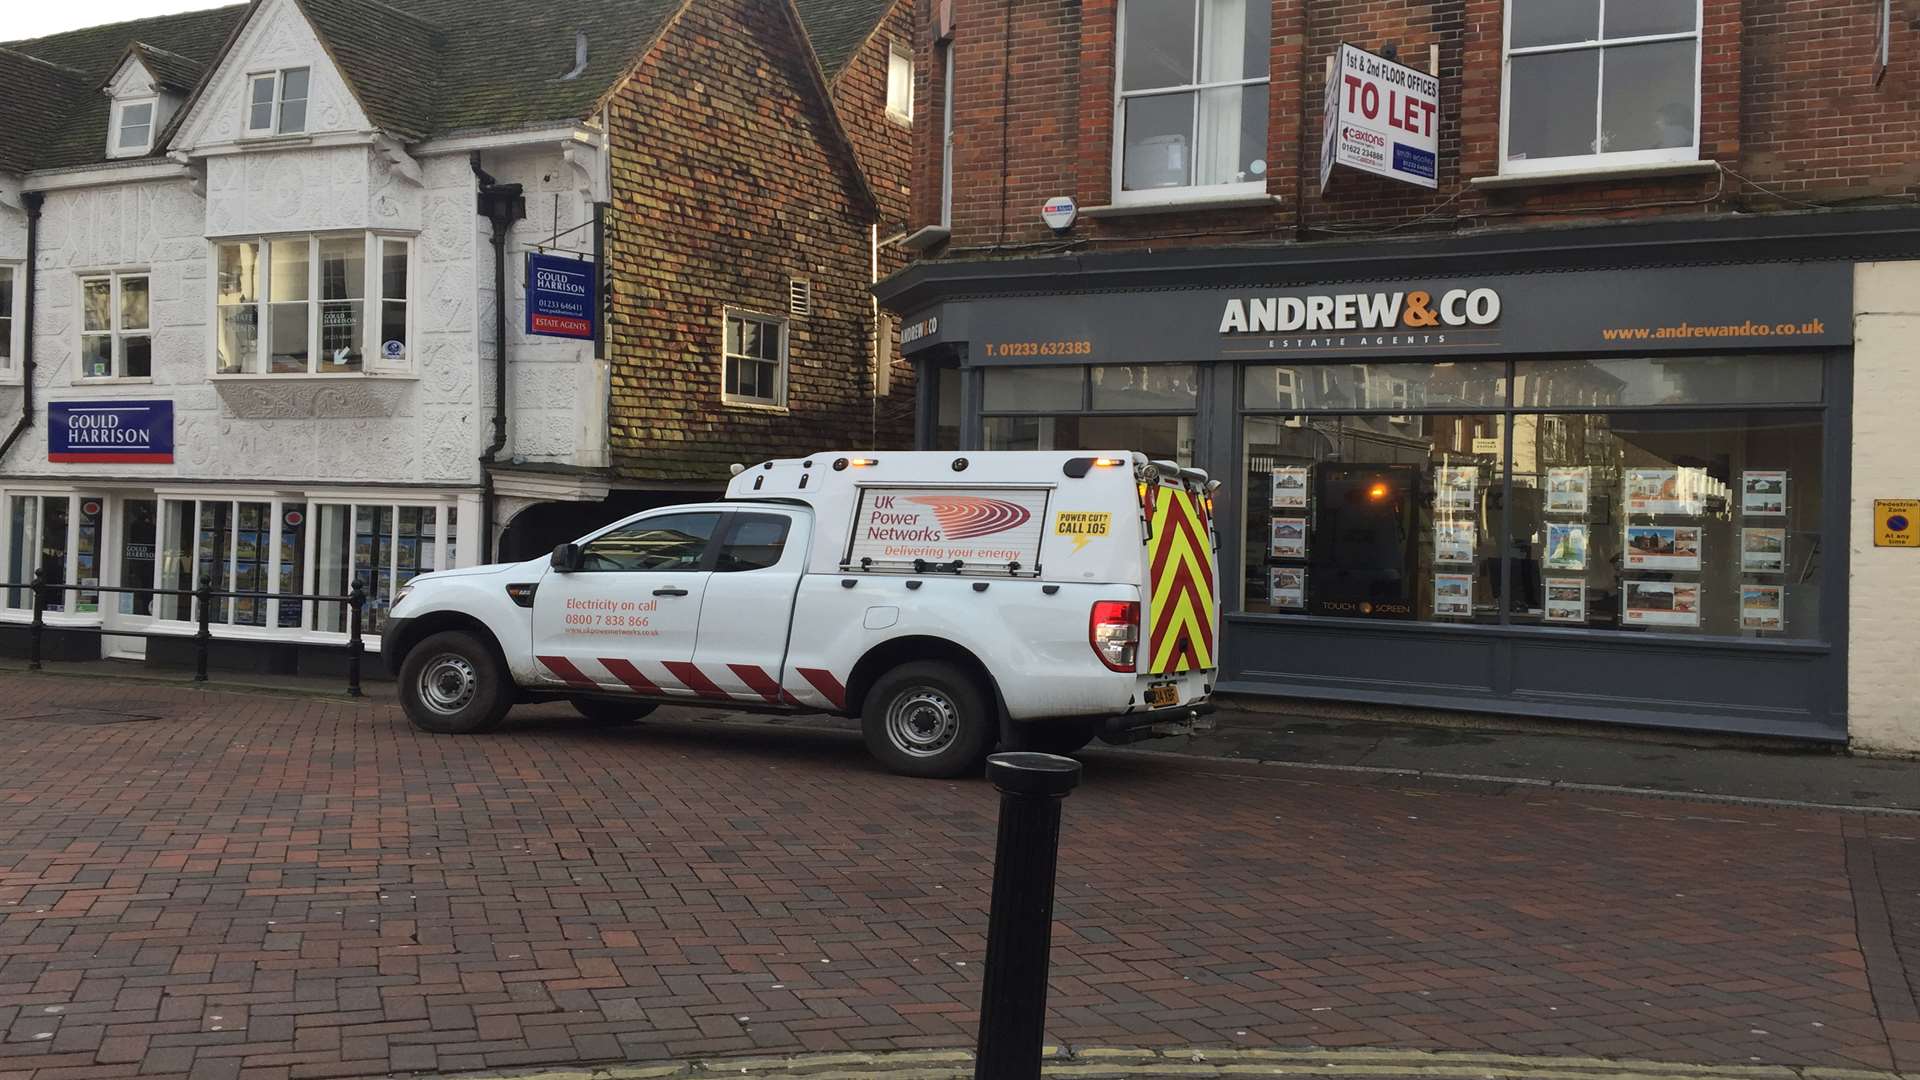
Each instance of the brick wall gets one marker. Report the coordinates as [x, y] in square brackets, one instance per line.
[728, 181]
[885, 148]
[1787, 101]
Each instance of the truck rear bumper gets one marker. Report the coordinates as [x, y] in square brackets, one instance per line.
[1191, 719]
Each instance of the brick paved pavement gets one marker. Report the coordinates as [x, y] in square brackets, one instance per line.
[259, 886]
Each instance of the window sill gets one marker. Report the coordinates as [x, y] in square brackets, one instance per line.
[265, 138]
[316, 376]
[902, 121]
[755, 406]
[1595, 174]
[1180, 204]
[112, 380]
[926, 237]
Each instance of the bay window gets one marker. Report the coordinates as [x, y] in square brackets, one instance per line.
[1600, 83]
[299, 305]
[1191, 99]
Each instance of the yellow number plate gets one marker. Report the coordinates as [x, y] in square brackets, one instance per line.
[1159, 697]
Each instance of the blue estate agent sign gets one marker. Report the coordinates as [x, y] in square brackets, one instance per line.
[560, 296]
[138, 432]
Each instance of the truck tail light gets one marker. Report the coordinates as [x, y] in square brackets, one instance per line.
[1114, 632]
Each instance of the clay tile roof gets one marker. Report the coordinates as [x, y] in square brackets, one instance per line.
[838, 28]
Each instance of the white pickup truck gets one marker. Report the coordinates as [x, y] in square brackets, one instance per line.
[950, 601]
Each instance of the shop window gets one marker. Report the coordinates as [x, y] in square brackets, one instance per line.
[139, 546]
[1192, 98]
[380, 545]
[1460, 385]
[300, 305]
[946, 406]
[277, 102]
[899, 83]
[1600, 82]
[1678, 496]
[116, 332]
[754, 365]
[1082, 408]
[38, 539]
[12, 295]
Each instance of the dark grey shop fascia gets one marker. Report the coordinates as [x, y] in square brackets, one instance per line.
[1809, 236]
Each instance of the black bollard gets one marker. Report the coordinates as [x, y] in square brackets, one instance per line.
[1013, 1001]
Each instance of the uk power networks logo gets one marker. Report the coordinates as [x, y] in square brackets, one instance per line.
[965, 517]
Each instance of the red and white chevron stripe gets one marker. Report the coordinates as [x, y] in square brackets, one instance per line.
[806, 688]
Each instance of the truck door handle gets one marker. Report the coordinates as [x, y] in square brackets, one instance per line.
[669, 590]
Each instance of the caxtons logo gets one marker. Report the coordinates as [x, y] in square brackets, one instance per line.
[1415, 309]
[1362, 135]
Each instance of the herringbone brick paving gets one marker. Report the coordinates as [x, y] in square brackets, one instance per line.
[272, 887]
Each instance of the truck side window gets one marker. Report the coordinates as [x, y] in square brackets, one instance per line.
[670, 542]
[754, 543]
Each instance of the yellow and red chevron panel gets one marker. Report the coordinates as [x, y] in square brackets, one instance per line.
[812, 688]
[1182, 605]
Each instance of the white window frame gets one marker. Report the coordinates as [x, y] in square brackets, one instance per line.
[114, 149]
[114, 332]
[278, 78]
[1120, 196]
[16, 332]
[898, 51]
[1601, 159]
[372, 299]
[779, 400]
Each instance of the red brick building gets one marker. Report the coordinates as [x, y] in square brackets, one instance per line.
[1529, 368]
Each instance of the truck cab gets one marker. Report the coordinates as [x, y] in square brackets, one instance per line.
[951, 602]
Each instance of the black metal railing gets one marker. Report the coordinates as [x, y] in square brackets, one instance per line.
[201, 598]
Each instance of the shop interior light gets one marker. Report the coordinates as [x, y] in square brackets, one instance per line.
[1378, 491]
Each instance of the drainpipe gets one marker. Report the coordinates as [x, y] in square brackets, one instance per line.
[502, 205]
[31, 200]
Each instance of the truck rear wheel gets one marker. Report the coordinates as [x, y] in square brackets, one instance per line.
[928, 718]
[452, 684]
[612, 710]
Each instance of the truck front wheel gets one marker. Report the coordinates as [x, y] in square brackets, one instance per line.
[451, 684]
[928, 718]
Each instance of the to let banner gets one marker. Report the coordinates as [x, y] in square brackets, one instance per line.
[1382, 117]
[561, 296]
[132, 432]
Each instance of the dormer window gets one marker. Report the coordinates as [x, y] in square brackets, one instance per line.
[277, 102]
[133, 124]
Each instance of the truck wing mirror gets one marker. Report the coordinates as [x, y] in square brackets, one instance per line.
[566, 557]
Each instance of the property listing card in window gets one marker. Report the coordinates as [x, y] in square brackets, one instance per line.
[1287, 587]
[1663, 547]
[1289, 488]
[1566, 600]
[1763, 551]
[1761, 608]
[1662, 603]
[1453, 542]
[1666, 491]
[1289, 538]
[1453, 595]
[1567, 489]
[1763, 493]
[1566, 546]
[1453, 487]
